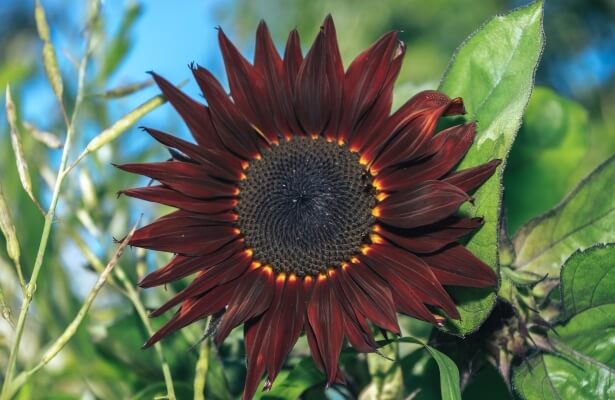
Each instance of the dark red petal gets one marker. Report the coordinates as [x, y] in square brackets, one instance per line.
[323, 315]
[192, 240]
[278, 87]
[366, 78]
[431, 238]
[287, 319]
[247, 88]
[471, 178]
[426, 204]
[195, 114]
[455, 265]
[222, 165]
[219, 274]
[182, 266]
[170, 197]
[317, 357]
[187, 178]
[370, 295]
[234, 130]
[194, 309]
[356, 328]
[406, 300]
[393, 263]
[255, 332]
[270, 338]
[452, 144]
[412, 141]
[369, 124]
[251, 298]
[266, 57]
[292, 58]
[407, 130]
[318, 93]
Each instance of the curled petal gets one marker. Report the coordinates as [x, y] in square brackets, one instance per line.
[431, 238]
[406, 132]
[425, 204]
[471, 178]
[455, 265]
[451, 144]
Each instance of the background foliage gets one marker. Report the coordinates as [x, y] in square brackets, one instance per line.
[549, 206]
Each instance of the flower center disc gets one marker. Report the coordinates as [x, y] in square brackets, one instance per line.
[305, 206]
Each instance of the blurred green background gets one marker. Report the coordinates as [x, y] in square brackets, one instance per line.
[567, 131]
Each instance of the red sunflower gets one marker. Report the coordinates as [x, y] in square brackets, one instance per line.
[305, 206]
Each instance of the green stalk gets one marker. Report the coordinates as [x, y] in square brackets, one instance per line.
[200, 375]
[71, 329]
[38, 263]
[131, 293]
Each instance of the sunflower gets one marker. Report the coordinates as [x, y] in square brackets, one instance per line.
[306, 206]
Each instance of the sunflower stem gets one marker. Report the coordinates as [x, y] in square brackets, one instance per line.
[71, 329]
[49, 216]
[200, 375]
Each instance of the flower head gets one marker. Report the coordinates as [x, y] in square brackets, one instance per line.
[306, 206]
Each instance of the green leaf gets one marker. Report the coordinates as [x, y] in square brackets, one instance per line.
[580, 287]
[292, 384]
[583, 365]
[493, 71]
[449, 374]
[584, 218]
[544, 162]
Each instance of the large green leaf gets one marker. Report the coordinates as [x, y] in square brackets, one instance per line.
[544, 161]
[583, 366]
[584, 218]
[581, 289]
[493, 71]
[449, 374]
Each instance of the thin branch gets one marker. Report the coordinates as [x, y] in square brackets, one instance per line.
[49, 217]
[128, 290]
[71, 329]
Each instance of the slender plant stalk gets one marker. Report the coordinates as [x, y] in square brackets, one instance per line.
[131, 293]
[71, 329]
[38, 263]
[200, 375]
[5, 310]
